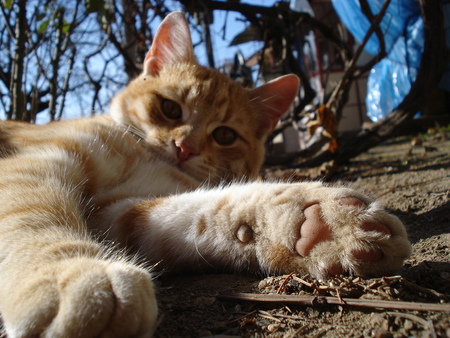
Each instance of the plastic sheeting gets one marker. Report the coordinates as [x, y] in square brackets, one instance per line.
[402, 26]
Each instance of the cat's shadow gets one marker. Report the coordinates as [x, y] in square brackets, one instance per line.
[431, 223]
[431, 275]
[438, 161]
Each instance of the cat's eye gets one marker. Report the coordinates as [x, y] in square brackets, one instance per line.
[171, 109]
[224, 136]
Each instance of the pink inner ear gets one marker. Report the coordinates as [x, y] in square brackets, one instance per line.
[171, 44]
[151, 65]
[274, 98]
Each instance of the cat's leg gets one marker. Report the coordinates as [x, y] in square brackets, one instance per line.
[54, 280]
[304, 228]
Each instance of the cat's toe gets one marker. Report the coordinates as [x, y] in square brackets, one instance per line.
[377, 229]
[351, 236]
[371, 254]
[135, 302]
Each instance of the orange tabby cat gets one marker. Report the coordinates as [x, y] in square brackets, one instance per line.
[148, 178]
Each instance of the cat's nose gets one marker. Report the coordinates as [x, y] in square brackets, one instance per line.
[184, 151]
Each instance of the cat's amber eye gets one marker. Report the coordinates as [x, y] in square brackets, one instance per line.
[224, 136]
[171, 109]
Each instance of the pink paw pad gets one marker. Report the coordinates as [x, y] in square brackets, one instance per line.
[315, 230]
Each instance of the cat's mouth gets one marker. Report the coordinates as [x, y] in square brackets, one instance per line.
[162, 155]
[184, 167]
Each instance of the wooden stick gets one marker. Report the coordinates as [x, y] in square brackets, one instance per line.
[313, 300]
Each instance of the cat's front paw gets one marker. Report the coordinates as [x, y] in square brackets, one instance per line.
[83, 297]
[334, 231]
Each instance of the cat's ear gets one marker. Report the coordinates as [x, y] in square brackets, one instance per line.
[171, 44]
[273, 99]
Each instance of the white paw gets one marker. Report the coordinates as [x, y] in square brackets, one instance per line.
[330, 231]
[84, 297]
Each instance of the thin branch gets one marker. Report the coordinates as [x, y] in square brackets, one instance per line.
[365, 8]
[55, 61]
[351, 67]
[129, 63]
[16, 87]
[8, 26]
[314, 301]
[65, 87]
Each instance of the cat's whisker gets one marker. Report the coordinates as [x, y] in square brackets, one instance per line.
[266, 102]
[200, 256]
[135, 131]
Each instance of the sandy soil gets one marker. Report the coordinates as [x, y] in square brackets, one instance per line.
[414, 183]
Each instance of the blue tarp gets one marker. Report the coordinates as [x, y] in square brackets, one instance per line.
[402, 26]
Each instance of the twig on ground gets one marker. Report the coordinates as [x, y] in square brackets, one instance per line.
[426, 291]
[281, 288]
[268, 315]
[411, 317]
[300, 330]
[242, 317]
[313, 300]
[302, 281]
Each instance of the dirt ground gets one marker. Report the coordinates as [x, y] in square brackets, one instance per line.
[414, 183]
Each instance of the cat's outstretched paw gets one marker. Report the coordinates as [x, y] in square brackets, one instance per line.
[85, 298]
[337, 231]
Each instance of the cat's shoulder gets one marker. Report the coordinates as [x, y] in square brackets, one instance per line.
[16, 135]
[11, 128]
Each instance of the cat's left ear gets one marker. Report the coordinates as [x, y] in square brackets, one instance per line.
[273, 99]
[172, 44]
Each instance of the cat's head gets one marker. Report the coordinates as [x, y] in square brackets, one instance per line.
[196, 118]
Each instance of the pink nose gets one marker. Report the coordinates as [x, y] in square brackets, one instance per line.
[184, 151]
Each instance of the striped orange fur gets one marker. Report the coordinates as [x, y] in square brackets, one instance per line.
[86, 206]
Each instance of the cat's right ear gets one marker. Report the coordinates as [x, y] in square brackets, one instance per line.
[172, 44]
